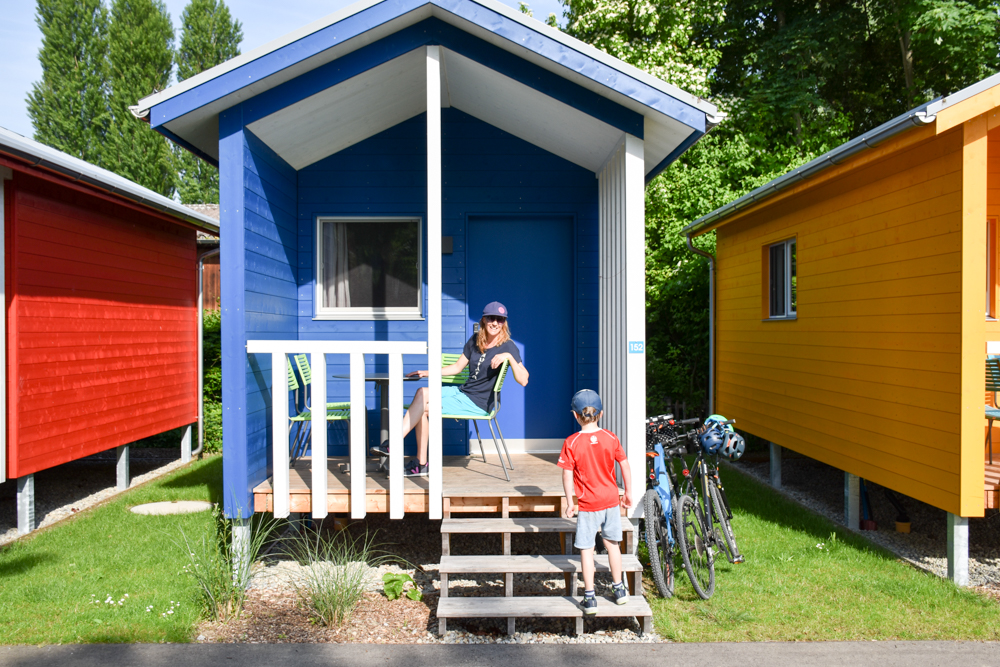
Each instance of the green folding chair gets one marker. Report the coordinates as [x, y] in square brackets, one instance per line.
[305, 370]
[489, 417]
[992, 413]
[334, 413]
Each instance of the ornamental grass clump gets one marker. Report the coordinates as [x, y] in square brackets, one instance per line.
[221, 575]
[335, 571]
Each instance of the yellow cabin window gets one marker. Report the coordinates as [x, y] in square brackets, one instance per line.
[991, 268]
[780, 281]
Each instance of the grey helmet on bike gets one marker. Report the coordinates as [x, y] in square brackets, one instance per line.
[733, 446]
[711, 440]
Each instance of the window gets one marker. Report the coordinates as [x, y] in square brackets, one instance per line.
[781, 281]
[991, 268]
[368, 268]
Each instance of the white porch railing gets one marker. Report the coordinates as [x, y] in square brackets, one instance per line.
[279, 349]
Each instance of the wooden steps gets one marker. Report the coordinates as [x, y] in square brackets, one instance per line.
[519, 525]
[529, 564]
[511, 607]
[991, 488]
[543, 607]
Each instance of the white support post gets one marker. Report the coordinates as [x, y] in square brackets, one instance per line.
[319, 431]
[279, 436]
[958, 549]
[852, 501]
[434, 458]
[121, 467]
[359, 476]
[5, 175]
[635, 315]
[241, 550]
[397, 508]
[186, 444]
[775, 465]
[25, 504]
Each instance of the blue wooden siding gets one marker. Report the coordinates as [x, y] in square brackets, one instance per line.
[259, 300]
[485, 172]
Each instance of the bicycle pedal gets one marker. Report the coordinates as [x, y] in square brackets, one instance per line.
[739, 559]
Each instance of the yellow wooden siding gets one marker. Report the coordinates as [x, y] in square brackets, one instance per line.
[993, 205]
[869, 377]
[974, 166]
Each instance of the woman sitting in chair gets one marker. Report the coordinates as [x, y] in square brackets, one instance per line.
[484, 353]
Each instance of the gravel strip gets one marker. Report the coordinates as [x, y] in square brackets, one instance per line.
[67, 489]
[273, 615]
[821, 488]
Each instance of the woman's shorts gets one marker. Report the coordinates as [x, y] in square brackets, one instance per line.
[455, 402]
[608, 521]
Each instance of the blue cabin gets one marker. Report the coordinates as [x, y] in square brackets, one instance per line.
[386, 172]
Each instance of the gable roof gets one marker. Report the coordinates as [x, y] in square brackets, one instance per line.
[563, 91]
[962, 105]
[36, 155]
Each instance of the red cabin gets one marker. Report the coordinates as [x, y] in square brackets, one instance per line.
[102, 329]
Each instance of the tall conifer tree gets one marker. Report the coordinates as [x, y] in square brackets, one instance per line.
[69, 106]
[140, 54]
[209, 36]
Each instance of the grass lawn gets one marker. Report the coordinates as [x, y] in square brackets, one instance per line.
[49, 580]
[790, 589]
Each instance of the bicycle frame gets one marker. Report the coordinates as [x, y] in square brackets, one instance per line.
[663, 480]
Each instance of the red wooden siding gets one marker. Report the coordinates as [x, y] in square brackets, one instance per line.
[102, 335]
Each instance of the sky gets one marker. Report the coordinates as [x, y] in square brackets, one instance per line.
[262, 23]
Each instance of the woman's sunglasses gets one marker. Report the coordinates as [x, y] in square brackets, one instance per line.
[494, 318]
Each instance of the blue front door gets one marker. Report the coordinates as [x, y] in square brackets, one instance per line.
[526, 263]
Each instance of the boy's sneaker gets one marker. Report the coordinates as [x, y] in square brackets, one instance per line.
[589, 605]
[621, 593]
[415, 469]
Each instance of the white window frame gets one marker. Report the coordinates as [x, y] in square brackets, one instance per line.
[790, 311]
[367, 313]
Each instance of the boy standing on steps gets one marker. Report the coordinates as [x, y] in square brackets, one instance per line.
[588, 463]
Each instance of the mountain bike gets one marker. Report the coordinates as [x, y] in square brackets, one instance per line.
[666, 440]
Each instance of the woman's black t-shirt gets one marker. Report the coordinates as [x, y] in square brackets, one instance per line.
[479, 386]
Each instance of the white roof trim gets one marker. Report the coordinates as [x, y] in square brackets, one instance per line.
[78, 170]
[714, 116]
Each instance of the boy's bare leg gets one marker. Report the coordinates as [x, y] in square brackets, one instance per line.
[587, 565]
[614, 560]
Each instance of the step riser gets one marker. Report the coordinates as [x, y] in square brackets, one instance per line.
[529, 564]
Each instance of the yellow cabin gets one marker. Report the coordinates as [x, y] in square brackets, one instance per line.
[855, 299]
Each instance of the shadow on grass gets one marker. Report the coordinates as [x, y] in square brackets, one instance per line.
[207, 476]
[12, 565]
[750, 497]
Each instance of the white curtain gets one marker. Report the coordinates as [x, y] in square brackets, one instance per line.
[336, 283]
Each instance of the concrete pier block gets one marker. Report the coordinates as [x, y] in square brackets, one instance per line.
[122, 468]
[775, 465]
[241, 551]
[958, 549]
[25, 504]
[852, 501]
[186, 444]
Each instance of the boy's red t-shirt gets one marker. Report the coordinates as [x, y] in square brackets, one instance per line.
[591, 457]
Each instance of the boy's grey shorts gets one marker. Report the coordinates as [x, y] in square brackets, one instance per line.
[608, 521]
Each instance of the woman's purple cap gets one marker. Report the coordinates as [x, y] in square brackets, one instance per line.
[495, 308]
[586, 398]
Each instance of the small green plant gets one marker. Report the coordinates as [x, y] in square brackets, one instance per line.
[221, 574]
[335, 571]
[393, 585]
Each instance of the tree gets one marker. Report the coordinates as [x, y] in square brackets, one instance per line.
[69, 107]
[140, 56]
[209, 36]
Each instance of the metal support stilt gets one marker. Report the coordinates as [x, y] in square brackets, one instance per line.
[958, 549]
[122, 468]
[775, 465]
[852, 501]
[25, 504]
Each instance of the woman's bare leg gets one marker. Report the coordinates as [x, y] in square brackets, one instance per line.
[416, 417]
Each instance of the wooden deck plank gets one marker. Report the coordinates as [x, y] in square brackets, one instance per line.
[529, 564]
[536, 607]
[534, 525]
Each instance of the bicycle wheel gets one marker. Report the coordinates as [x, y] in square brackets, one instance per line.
[661, 553]
[722, 527]
[696, 552]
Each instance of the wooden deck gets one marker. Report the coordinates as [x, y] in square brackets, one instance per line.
[992, 485]
[469, 485]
